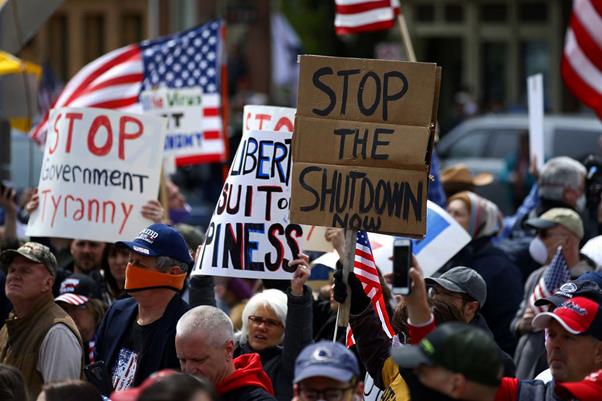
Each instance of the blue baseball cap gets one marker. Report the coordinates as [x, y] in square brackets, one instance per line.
[160, 240]
[326, 359]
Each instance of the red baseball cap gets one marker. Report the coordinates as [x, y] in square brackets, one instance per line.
[588, 389]
[132, 394]
[577, 315]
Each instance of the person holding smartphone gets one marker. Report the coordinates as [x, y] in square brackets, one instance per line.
[373, 344]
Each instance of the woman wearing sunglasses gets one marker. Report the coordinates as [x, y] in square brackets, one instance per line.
[277, 326]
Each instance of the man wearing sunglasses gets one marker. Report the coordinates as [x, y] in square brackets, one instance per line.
[327, 371]
[465, 289]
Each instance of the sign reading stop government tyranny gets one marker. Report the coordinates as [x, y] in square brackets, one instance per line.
[362, 138]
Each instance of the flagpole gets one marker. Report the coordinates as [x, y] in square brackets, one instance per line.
[336, 325]
[405, 37]
[348, 261]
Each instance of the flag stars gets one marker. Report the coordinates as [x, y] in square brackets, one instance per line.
[185, 61]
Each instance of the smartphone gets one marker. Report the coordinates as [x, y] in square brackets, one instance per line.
[402, 261]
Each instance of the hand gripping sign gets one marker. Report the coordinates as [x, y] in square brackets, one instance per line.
[100, 166]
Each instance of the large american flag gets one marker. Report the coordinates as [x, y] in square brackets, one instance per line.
[582, 58]
[364, 269]
[556, 274]
[191, 58]
[364, 15]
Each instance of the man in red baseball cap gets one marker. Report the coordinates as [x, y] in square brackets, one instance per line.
[573, 338]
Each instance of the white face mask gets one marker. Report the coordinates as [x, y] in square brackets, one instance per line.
[580, 205]
[538, 251]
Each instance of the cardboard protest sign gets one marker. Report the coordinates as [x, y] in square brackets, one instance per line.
[249, 235]
[363, 132]
[444, 238]
[99, 168]
[194, 132]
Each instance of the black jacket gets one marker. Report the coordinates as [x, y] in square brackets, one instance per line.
[115, 326]
[509, 365]
[373, 346]
[504, 286]
[279, 362]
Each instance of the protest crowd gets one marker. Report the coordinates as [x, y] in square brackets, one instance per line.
[106, 293]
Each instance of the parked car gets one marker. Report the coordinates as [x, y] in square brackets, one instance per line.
[484, 143]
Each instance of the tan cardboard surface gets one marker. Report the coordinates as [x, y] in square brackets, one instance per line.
[374, 199]
[372, 144]
[377, 90]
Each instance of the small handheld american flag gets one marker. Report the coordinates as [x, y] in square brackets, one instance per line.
[364, 269]
[553, 277]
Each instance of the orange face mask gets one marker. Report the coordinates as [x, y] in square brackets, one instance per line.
[137, 279]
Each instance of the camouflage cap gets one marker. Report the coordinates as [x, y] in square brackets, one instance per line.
[33, 251]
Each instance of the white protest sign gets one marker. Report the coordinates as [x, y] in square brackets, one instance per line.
[271, 118]
[194, 129]
[249, 235]
[268, 118]
[444, 238]
[536, 132]
[99, 168]
[371, 390]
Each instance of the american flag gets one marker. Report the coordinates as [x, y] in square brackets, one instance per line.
[187, 59]
[365, 15]
[553, 277]
[364, 269]
[582, 58]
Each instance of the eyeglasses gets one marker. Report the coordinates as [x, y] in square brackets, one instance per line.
[328, 394]
[436, 290]
[269, 323]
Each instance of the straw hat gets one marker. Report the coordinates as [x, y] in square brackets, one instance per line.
[460, 174]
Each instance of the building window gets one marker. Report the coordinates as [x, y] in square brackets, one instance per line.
[533, 12]
[58, 48]
[534, 59]
[94, 37]
[454, 13]
[425, 12]
[132, 27]
[494, 65]
[494, 12]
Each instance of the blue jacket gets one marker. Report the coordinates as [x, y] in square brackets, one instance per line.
[114, 327]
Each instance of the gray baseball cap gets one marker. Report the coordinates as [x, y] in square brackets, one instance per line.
[463, 280]
[33, 251]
